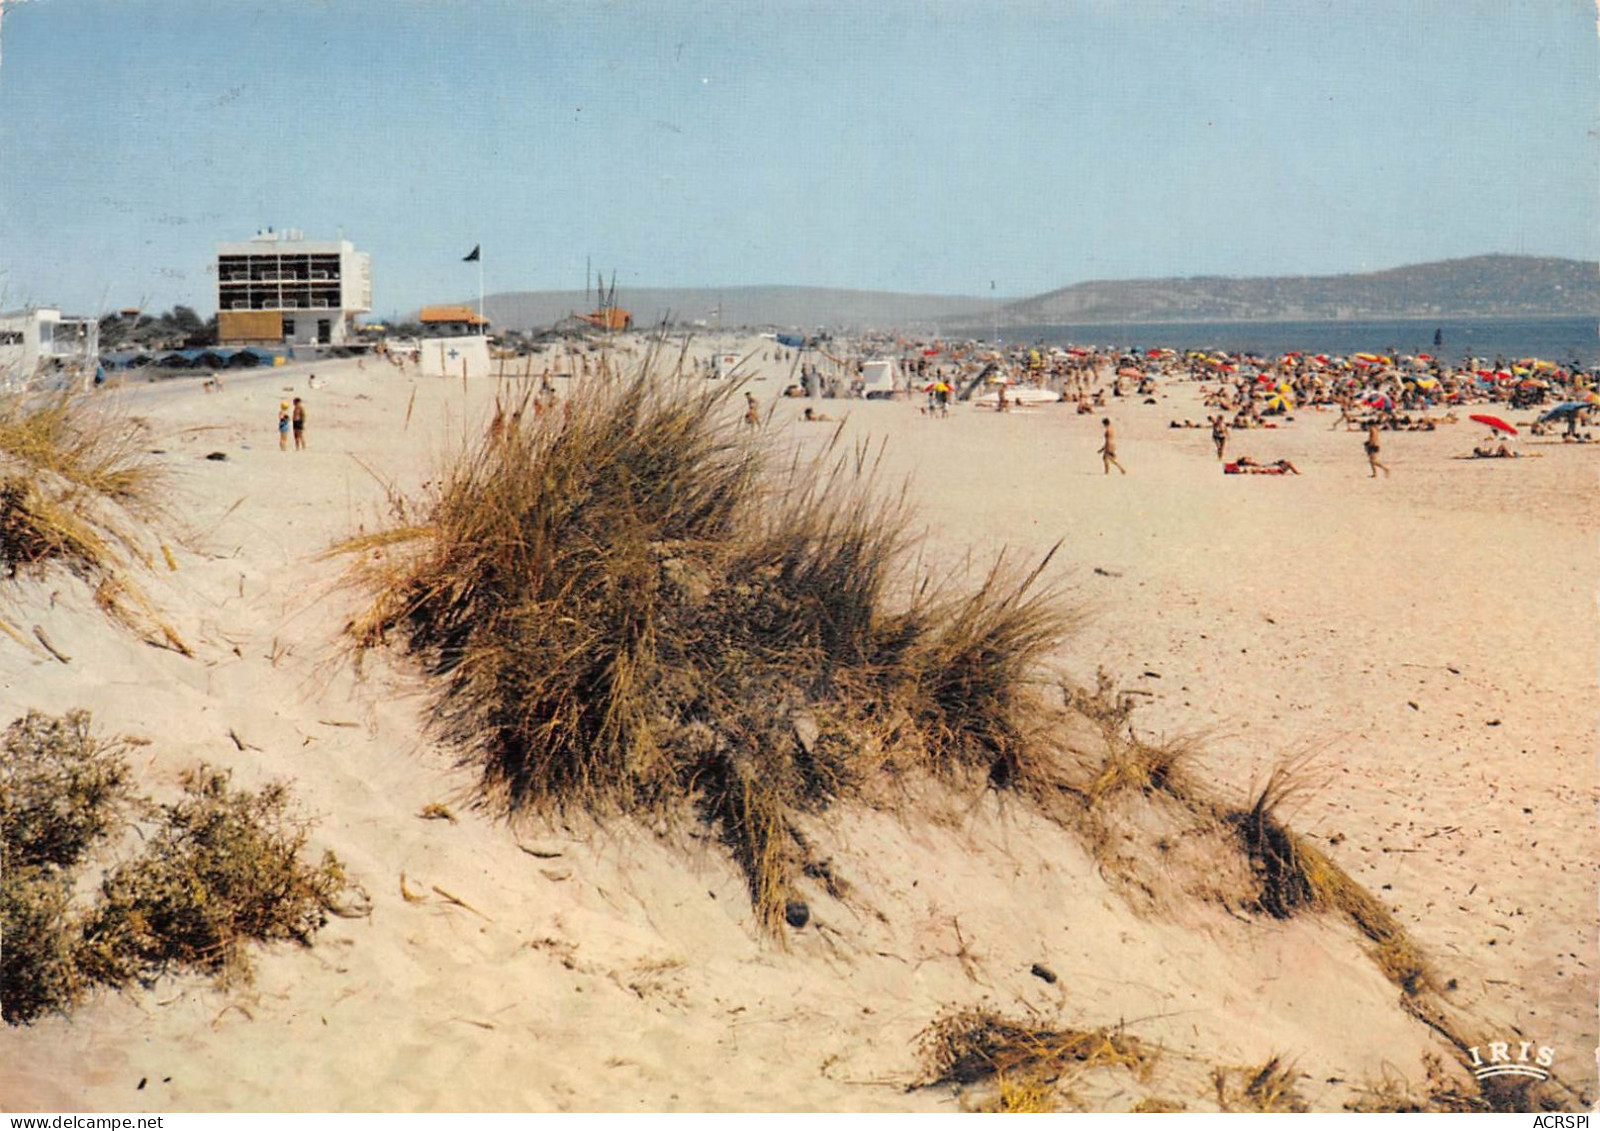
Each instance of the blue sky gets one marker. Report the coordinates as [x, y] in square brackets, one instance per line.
[929, 147]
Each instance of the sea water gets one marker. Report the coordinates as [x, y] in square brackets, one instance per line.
[1562, 340]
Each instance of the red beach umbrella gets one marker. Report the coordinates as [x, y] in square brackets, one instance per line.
[1493, 422]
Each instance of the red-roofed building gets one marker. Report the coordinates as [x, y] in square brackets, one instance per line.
[452, 322]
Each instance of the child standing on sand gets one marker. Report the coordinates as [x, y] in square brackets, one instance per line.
[283, 426]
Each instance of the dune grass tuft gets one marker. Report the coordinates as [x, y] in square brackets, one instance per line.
[628, 609]
[1268, 1088]
[1023, 1096]
[973, 1045]
[78, 487]
[76, 483]
[1293, 874]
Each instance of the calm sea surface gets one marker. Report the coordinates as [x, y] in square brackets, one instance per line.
[1561, 340]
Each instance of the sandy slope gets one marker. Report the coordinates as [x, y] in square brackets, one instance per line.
[1428, 639]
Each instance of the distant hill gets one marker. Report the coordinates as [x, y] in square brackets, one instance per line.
[1484, 286]
[784, 308]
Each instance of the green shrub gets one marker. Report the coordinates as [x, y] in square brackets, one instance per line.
[39, 972]
[61, 789]
[222, 869]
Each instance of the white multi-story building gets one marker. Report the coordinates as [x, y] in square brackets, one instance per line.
[283, 289]
[38, 340]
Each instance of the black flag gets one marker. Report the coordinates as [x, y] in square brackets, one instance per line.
[472, 256]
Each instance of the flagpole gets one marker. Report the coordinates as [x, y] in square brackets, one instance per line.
[480, 291]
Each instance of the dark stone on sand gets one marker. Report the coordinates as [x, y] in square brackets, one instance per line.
[1043, 972]
[796, 913]
[218, 456]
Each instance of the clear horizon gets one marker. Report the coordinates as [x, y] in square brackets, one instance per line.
[925, 148]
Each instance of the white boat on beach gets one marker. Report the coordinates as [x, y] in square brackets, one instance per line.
[1025, 395]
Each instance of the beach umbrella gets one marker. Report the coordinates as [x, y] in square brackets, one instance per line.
[1127, 372]
[1279, 402]
[1566, 409]
[1493, 422]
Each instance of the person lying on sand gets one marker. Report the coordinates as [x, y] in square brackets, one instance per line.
[1244, 465]
[1485, 451]
[811, 414]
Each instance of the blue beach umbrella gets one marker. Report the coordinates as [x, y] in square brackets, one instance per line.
[1564, 410]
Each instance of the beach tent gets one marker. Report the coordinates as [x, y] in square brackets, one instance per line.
[878, 378]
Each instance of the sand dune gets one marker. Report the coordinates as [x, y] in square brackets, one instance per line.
[1427, 639]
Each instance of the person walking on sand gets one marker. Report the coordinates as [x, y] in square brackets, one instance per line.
[298, 419]
[1108, 448]
[752, 411]
[1219, 434]
[283, 426]
[1371, 447]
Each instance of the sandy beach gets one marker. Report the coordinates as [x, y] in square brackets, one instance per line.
[1423, 643]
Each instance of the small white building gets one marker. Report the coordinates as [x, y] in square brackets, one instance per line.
[457, 356]
[280, 288]
[39, 340]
